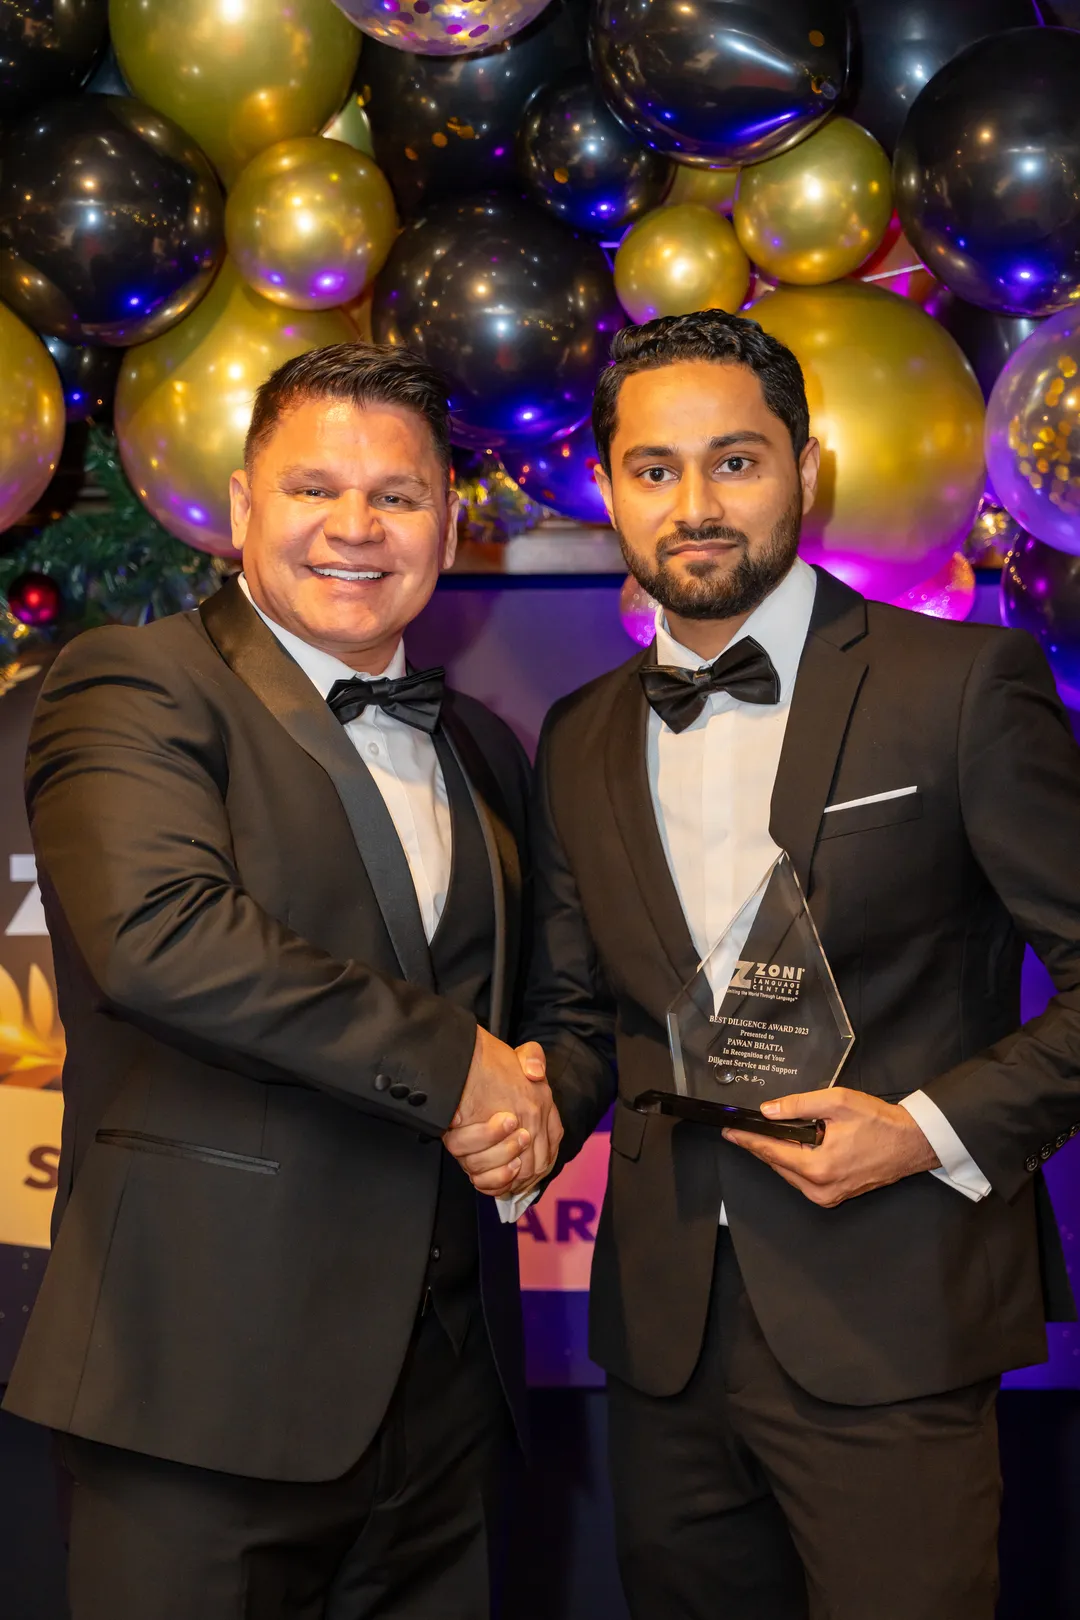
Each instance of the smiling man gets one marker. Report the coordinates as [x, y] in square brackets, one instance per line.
[803, 1343]
[279, 1334]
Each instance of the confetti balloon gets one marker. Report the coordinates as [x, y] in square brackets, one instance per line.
[949, 593]
[814, 213]
[47, 48]
[513, 308]
[560, 474]
[238, 75]
[680, 258]
[987, 172]
[720, 81]
[992, 535]
[35, 600]
[580, 163]
[441, 27]
[697, 183]
[1033, 433]
[88, 377]
[637, 612]
[31, 418]
[899, 416]
[309, 223]
[183, 402]
[447, 126]
[111, 221]
[1040, 593]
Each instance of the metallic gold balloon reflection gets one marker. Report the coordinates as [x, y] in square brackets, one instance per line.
[352, 125]
[715, 188]
[238, 75]
[679, 259]
[31, 417]
[899, 415]
[309, 223]
[814, 213]
[183, 401]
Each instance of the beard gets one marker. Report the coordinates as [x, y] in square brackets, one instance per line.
[707, 591]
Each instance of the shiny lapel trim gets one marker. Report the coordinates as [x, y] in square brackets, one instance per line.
[626, 765]
[258, 659]
[830, 674]
[504, 861]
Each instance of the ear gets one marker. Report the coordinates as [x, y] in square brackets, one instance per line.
[450, 533]
[239, 507]
[603, 484]
[809, 467]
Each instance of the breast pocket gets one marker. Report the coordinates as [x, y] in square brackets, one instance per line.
[862, 816]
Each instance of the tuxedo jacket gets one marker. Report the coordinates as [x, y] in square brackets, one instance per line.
[259, 1068]
[923, 903]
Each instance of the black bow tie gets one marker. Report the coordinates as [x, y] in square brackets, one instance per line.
[745, 671]
[415, 698]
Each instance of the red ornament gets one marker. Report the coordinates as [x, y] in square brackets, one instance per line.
[35, 599]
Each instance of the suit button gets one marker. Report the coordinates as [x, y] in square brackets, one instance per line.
[436, 1254]
[1061, 1140]
[417, 1099]
[1032, 1163]
[399, 1091]
[382, 1082]
[1073, 1129]
[1046, 1150]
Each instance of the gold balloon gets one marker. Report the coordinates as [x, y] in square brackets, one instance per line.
[238, 75]
[352, 125]
[815, 212]
[679, 259]
[31, 417]
[715, 188]
[900, 418]
[183, 401]
[309, 222]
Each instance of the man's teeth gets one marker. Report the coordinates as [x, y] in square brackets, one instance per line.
[348, 573]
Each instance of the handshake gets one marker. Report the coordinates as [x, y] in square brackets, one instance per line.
[506, 1132]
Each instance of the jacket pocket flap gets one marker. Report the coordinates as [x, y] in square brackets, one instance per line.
[862, 817]
[627, 1130]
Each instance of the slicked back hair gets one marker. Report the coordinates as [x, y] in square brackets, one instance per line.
[362, 373]
[708, 334]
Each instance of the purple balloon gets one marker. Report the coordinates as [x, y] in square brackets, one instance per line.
[1040, 593]
[560, 473]
[1033, 433]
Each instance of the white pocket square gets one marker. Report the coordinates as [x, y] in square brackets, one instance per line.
[871, 798]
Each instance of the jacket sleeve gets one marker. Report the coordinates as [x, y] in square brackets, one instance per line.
[1019, 769]
[126, 784]
[569, 1008]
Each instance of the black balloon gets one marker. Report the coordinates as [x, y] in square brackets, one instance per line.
[987, 172]
[446, 125]
[898, 46]
[88, 377]
[107, 79]
[1040, 593]
[516, 310]
[111, 221]
[581, 163]
[987, 338]
[47, 48]
[720, 81]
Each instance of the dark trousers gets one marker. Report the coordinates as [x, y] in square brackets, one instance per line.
[745, 1498]
[403, 1536]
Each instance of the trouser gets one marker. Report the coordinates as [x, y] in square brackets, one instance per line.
[745, 1498]
[402, 1536]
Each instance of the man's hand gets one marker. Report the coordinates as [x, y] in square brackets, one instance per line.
[506, 1132]
[868, 1143]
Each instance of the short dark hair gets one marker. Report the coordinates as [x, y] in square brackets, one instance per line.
[365, 374]
[708, 334]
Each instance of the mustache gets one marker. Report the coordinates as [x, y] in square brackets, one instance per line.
[688, 534]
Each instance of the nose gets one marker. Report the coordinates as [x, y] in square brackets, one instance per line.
[352, 521]
[699, 498]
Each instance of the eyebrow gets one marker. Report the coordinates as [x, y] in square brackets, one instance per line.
[319, 475]
[722, 441]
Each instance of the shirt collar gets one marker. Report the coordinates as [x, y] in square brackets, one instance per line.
[322, 668]
[779, 624]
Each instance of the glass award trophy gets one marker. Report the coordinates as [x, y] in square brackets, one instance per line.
[761, 1018]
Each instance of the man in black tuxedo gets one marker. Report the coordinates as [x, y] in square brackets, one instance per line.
[803, 1343]
[279, 1334]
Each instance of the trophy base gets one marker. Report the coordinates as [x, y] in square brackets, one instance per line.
[810, 1132]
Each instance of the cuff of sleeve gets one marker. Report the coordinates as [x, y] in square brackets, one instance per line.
[513, 1207]
[957, 1168]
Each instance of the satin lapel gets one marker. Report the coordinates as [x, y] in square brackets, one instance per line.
[626, 766]
[504, 860]
[255, 655]
[830, 673]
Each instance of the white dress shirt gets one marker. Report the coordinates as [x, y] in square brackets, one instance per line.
[712, 787]
[403, 764]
